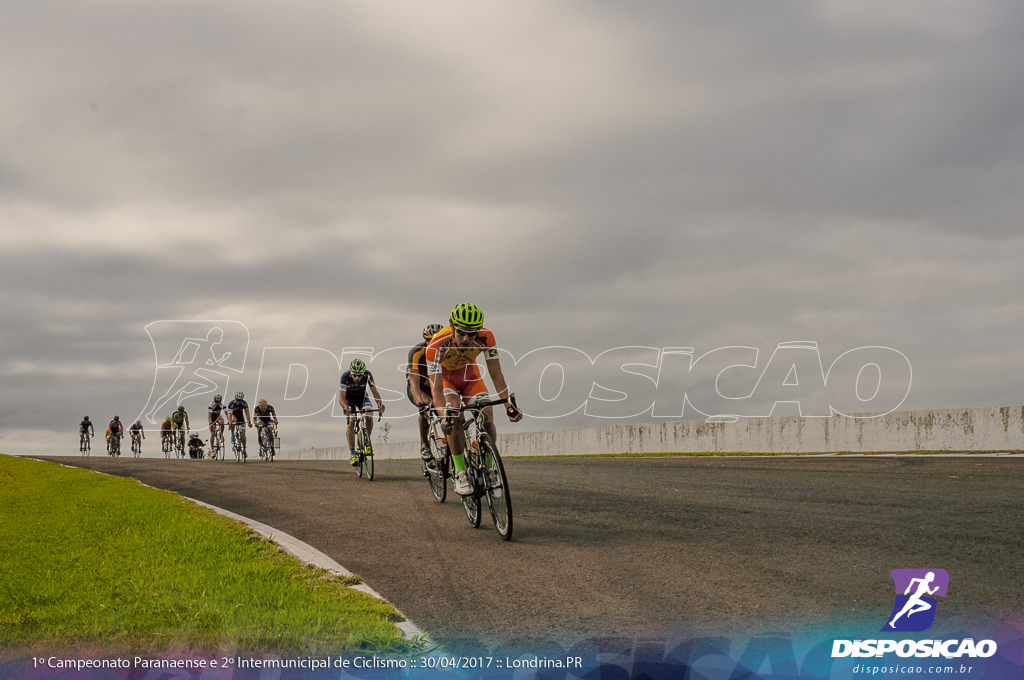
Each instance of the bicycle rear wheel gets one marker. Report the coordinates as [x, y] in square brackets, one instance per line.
[499, 501]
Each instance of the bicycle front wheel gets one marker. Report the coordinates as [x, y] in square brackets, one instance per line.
[360, 452]
[437, 475]
[496, 482]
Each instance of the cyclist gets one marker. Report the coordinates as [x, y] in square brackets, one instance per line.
[137, 433]
[195, 446]
[85, 427]
[417, 386]
[238, 413]
[115, 429]
[455, 380]
[264, 415]
[165, 433]
[214, 414]
[179, 421]
[354, 382]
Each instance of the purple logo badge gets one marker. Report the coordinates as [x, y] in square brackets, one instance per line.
[915, 605]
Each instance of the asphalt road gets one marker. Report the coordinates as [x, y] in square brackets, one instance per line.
[662, 548]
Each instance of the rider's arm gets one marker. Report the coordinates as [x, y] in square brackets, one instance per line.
[376, 397]
[498, 378]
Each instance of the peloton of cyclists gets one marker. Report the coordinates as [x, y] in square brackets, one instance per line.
[352, 395]
[417, 385]
[455, 380]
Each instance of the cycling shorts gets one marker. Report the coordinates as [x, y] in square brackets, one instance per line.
[465, 382]
[367, 404]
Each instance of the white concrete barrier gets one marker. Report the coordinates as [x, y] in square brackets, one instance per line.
[967, 429]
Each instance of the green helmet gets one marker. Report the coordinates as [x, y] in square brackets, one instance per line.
[358, 366]
[467, 317]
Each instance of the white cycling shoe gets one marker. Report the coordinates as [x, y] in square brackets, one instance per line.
[462, 485]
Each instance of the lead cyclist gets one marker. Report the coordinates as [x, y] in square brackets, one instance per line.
[455, 380]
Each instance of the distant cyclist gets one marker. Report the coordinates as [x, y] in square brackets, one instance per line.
[265, 416]
[455, 380]
[179, 419]
[115, 430]
[215, 413]
[238, 417]
[354, 383]
[195, 446]
[179, 422]
[85, 427]
[417, 385]
[165, 433]
[137, 432]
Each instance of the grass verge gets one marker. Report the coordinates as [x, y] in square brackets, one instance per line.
[101, 564]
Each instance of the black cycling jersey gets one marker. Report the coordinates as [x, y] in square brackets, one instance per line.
[263, 414]
[354, 387]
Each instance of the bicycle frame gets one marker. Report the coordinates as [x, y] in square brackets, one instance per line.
[267, 434]
[361, 437]
[238, 442]
[217, 440]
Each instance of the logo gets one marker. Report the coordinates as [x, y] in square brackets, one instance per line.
[193, 359]
[914, 609]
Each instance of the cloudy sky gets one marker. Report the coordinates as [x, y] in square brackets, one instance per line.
[311, 177]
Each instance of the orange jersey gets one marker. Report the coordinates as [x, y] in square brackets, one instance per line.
[443, 355]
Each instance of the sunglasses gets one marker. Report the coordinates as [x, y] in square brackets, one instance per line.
[466, 334]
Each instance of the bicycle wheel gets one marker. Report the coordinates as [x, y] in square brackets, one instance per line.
[360, 452]
[499, 501]
[471, 503]
[437, 476]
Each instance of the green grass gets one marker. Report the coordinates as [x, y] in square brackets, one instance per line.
[103, 564]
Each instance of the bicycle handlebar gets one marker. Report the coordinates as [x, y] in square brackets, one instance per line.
[478, 405]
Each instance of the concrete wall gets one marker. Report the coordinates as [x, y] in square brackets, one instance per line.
[968, 429]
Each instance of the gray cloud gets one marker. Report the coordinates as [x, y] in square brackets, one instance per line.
[593, 175]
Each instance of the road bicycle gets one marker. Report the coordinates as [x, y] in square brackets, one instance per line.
[217, 440]
[179, 442]
[114, 445]
[84, 445]
[238, 441]
[485, 470]
[136, 445]
[267, 435]
[364, 449]
[437, 470]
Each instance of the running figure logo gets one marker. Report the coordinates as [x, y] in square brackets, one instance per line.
[914, 610]
[193, 358]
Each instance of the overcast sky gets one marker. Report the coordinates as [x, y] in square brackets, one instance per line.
[594, 175]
